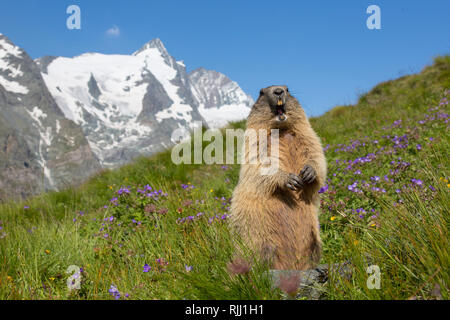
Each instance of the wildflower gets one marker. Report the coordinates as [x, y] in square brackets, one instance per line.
[239, 266]
[187, 203]
[289, 284]
[151, 208]
[123, 191]
[147, 268]
[26, 207]
[52, 278]
[211, 190]
[356, 242]
[188, 268]
[47, 251]
[114, 292]
[333, 218]
[163, 211]
[323, 189]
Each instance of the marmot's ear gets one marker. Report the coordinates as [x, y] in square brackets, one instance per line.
[261, 92]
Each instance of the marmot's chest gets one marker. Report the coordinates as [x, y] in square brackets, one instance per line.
[292, 152]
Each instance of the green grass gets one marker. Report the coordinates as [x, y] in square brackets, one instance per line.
[392, 221]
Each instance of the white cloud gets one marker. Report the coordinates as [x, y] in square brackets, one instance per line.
[114, 31]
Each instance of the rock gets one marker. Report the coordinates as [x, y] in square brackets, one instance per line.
[311, 282]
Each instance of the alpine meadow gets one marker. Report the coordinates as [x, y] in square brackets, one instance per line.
[155, 230]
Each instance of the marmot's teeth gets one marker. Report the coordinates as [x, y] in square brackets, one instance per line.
[280, 103]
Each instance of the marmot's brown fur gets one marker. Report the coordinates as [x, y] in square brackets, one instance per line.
[277, 215]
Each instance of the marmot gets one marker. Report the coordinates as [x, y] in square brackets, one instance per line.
[277, 215]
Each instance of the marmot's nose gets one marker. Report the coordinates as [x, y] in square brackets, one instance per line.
[278, 91]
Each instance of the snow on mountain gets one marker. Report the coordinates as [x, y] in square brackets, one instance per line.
[40, 149]
[7, 51]
[129, 105]
[220, 99]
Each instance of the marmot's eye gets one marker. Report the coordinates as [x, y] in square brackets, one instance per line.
[261, 92]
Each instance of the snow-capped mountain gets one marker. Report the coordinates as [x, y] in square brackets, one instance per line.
[63, 119]
[40, 149]
[220, 99]
[129, 105]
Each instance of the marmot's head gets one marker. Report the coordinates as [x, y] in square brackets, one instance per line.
[276, 105]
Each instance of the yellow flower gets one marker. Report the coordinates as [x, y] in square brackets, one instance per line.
[373, 224]
[211, 190]
[333, 218]
[448, 185]
[52, 278]
[110, 187]
[356, 242]
[9, 278]
[47, 251]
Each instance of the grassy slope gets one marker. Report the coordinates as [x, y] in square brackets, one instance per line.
[396, 133]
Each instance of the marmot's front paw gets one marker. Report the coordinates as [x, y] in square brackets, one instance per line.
[308, 174]
[294, 182]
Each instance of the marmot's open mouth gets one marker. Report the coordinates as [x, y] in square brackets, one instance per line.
[280, 109]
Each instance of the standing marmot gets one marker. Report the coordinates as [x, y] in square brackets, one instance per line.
[276, 215]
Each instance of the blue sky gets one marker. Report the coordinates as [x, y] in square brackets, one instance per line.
[321, 49]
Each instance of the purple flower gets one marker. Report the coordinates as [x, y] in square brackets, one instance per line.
[114, 292]
[323, 189]
[123, 191]
[147, 268]
[353, 187]
[26, 207]
[419, 147]
[188, 268]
